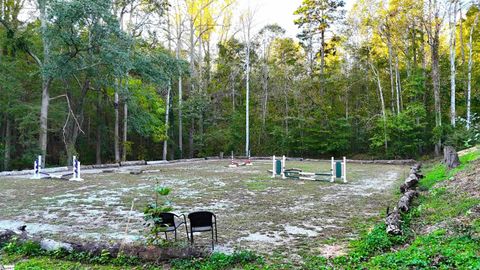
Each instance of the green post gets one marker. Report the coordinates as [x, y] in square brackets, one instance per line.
[338, 169]
[278, 167]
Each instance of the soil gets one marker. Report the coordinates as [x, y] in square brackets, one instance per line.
[289, 217]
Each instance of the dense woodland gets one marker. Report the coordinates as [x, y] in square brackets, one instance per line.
[112, 80]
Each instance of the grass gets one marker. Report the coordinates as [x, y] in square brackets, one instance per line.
[439, 172]
[457, 249]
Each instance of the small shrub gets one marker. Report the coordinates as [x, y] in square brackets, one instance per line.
[153, 220]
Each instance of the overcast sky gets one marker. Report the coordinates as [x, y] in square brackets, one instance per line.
[276, 11]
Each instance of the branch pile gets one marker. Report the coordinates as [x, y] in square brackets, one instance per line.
[408, 189]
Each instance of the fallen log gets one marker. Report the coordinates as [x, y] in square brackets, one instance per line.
[133, 163]
[393, 222]
[406, 200]
[142, 252]
[410, 182]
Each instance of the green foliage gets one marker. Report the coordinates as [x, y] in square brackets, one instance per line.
[404, 133]
[147, 110]
[153, 220]
[243, 259]
[433, 251]
[460, 137]
[439, 172]
[27, 248]
[17, 250]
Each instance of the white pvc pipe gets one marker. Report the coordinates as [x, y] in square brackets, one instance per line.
[344, 167]
[332, 170]
[274, 172]
[283, 167]
[37, 168]
[76, 170]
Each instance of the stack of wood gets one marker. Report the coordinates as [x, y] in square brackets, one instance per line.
[408, 189]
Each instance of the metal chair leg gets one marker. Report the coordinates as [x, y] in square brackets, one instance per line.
[166, 236]
[213, 241]
[175, 232]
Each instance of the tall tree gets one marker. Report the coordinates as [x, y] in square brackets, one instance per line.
[315, 19]
[247, 21]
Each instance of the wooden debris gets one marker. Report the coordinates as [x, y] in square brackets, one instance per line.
[406, 200]
[393, 219]
[393, 222]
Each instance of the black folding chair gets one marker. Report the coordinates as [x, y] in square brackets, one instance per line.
[203, 221]
[172, 222]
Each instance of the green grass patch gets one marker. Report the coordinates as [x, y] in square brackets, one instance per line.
[257, 185]
[237, 260]
[439, 172]
[433, 251]
[442, 204]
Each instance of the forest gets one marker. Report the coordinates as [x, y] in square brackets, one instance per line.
[116, 80]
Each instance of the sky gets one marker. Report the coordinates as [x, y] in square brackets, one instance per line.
[276, 11]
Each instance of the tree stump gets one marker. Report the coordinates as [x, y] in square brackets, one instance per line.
[450, 157]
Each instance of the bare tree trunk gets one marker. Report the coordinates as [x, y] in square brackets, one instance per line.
[469, 83]
[247, 24]
[436, 84]
[190, 139]
[117, 132]
[285, 94]
[167, 121]
[125, 130]
[390, 64]
[98, 148]
[247, 104]
[8, 143]
[180, 117]
[322, 61]
[398, 86]
[462, 43]
[452, 63]
[232, 85]
[382, 103]
[265, 93]
[46, 79]
[44, 118]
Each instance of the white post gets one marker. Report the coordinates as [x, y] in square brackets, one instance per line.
[74, 167]
[274, 167]
[37, 168]
[76, 170]
[283, 167]
[332, 170]
[344, 168]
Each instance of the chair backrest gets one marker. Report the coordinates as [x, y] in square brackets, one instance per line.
[201, 219]
[167, 219]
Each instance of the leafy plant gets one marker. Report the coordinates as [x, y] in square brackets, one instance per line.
[152, 212]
